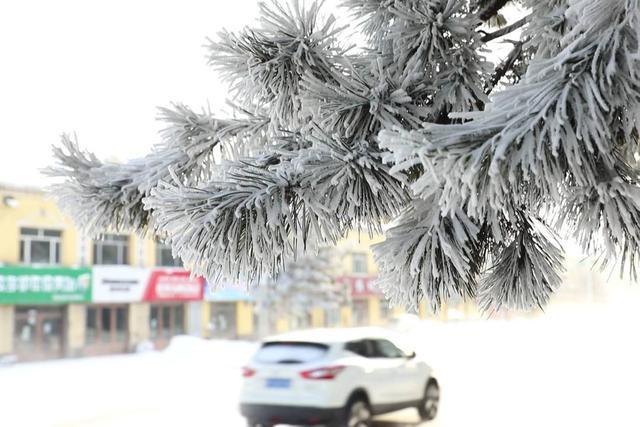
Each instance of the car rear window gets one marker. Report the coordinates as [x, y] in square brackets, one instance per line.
[290, 352]
[361, 348]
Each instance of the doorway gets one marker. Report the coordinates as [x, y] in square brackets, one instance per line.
[166, 321]
[106, 329]
[39, 332]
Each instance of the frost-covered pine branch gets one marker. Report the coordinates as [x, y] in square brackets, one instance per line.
[427, 255]
[108, 196]
[265, 65]
[398, 135]
[557, 132]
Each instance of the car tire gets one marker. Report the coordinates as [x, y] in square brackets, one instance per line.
[357, 413]
[428, 408]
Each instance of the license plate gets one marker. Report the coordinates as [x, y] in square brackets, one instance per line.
[278, 382]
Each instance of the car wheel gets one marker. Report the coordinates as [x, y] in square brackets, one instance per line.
[357, 414]
[428, 407]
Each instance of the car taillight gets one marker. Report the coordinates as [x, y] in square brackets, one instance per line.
[327, 373]
[248, 372]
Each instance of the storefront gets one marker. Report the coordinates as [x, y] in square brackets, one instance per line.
[169, 291]
[161, 294]
[106, 329]
[39, 332]
[222, 319]
[165, 321]
[39, 298]
[107, 319]
[366, 300]
[230, 313]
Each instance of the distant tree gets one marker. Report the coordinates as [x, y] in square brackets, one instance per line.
[473, 167]
[308, 283]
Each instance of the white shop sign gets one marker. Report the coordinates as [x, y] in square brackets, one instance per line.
[119, 283]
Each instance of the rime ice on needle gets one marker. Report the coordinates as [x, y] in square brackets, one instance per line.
[326, 139]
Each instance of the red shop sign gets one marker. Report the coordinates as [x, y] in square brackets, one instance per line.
[360, 286]
[172, 285]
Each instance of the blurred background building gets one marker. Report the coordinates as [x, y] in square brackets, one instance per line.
[65, 295]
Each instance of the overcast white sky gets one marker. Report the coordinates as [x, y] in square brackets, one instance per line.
[100, 69]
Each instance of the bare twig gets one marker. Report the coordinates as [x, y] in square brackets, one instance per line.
[505, 66]
[505, 30]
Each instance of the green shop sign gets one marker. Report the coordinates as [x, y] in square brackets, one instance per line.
[46, 285]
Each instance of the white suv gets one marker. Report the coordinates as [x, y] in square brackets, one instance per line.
[335, 377]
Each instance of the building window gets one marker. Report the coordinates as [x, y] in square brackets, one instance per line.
[164, 257]
[91, 331]
[166, 320]
[111, 249]
[106, 324]
[222, 321]
[359, 263]
[121, 324]
[40, 246]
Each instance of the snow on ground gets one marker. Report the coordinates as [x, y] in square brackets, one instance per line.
[576, 367]
[193, 383]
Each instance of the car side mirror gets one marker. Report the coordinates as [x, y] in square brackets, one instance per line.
[411, 355]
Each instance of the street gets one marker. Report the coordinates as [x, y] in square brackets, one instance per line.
[569, 368]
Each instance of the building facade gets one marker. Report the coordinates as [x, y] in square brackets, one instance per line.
[63, 294]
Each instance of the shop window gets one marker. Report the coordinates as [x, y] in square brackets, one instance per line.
[359, 263]
[222, 323]
[106, 324]
[40, 246]
[121, 324]
[91, 326]
[154, 322]
[164, 256]
[166, 320]
[111, 249]
[179, 319]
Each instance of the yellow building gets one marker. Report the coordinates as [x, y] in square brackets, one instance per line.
[121, 309]
[369, 307]
[63, 294]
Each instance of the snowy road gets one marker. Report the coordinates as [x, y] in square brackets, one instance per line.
[579, 370]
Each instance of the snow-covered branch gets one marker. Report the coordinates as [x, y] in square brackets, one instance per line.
[525, 271]
[431, 256]
[325, 142]
[556, 122]
[358, 103]
[244, 226]
[103, 196]
[264, 65]
[354, 182]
